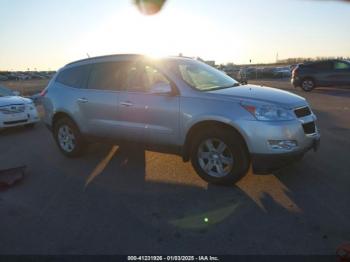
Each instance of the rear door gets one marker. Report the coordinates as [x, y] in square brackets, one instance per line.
[99, 99]
[67, 92]
[323, 73]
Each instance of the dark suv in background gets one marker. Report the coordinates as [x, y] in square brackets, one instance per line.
[321, 73]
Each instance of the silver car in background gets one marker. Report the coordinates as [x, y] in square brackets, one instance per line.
[181, 106]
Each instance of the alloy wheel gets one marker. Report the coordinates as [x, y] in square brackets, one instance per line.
[308, 84]
[66, 138]
[215, 157]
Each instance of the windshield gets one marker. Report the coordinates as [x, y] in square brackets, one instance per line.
[203, 77]
[5, 92]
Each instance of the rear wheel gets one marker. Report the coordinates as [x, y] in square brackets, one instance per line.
[220, 156]
[68, 137]
[308, 84]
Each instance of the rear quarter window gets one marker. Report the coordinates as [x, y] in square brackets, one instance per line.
[74, 77]
[339, 65]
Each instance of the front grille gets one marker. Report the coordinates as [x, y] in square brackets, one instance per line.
[15, 122]
[14, 109]
[303, 111]
[309, 128]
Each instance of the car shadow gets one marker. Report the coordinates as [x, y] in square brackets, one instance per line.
[168, 194]
[333, 128]
[9, 131]
[165, 194]
[333, 91]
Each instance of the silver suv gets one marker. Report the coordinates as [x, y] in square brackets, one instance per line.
[182, 106]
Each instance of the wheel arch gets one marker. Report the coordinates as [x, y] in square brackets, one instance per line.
[197, 127]
[62, 114]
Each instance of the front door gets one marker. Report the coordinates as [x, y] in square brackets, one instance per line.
[146, 117]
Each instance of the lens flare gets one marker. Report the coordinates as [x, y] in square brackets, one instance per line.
[149, 7]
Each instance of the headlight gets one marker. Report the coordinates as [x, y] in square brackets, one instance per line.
[4, 110]
[268, 112]
[30, 106]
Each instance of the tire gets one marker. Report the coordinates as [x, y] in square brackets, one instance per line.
[234, 160]
[307, 84]
[68, 138]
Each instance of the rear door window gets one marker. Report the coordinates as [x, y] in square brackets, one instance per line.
[326, 65]
[135, 80]
[107, 76]
[74, 76]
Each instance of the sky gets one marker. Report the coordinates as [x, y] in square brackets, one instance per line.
[47, 34]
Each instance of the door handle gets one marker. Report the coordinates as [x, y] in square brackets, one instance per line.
[126, 104]
[82, 100]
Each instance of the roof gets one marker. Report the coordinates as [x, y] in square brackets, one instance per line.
[114, 56]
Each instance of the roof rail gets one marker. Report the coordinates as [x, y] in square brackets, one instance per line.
[98, 57]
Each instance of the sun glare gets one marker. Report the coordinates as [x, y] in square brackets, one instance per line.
[168, 33]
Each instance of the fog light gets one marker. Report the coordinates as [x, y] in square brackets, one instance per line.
[283, 144]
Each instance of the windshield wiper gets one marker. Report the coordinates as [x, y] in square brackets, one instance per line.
[223, 87]
[220, 87]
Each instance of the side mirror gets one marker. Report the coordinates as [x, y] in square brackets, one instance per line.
[16, 93]
[161, 88]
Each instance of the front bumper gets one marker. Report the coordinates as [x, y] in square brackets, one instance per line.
[19, 119]
[266, 157]
[267, 163]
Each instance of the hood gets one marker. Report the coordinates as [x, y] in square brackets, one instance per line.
[13, 100]
[262, 94]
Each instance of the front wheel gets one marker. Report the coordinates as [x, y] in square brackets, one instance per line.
[220, 156]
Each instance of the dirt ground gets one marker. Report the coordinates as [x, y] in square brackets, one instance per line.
[26, 87]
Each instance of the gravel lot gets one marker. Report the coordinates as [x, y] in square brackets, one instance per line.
[129, 201]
